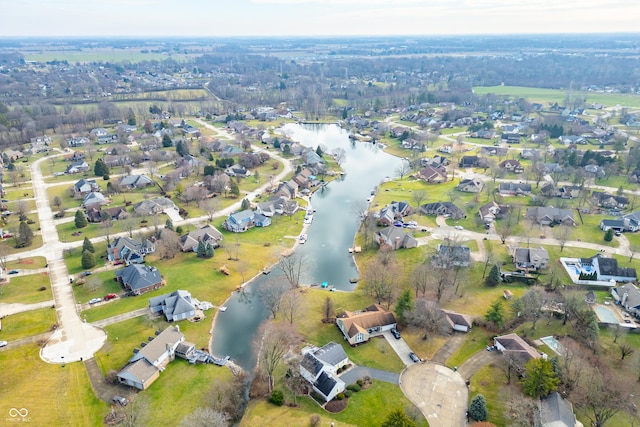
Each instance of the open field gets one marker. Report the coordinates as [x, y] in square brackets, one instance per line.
[99, 55]
[27, 324]
[53, 395]
[26, 289]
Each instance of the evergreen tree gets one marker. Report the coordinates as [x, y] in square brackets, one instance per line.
[540, 379]
[398, 418]
[88, 246]
[209, 170]
[182, 149]
[245, 204]
[319, 151]
[478, 408]
[100, 168]
[208, 252]
[201, 252]
[608, 235]
[494, 276]
[88, 260]
[495, 314]
[276, 143]
[81, 221]
[131, 120]
[404, 304]
[166, 141]
[286, 150]
[25, 235]
[168, 224]
[234, 189]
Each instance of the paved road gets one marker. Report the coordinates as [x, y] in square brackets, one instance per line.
[15, 308]
[440, 393]
[121, 317]
[357, 372]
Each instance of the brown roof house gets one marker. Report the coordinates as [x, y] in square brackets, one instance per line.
[517, 348]
[432, 175]
[394, 238]
[359, 326]
[207, 234]
[147, 363]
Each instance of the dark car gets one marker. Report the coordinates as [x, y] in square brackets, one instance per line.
[122, 401]
[86, 273]
[413, 357]
[395, 333]
[14, 271]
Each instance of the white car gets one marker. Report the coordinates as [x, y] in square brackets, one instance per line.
[459, 227]
[3, 343]
[95, 300]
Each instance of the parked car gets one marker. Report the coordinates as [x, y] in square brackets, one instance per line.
[459, 227]
[617, 233]
[14, 271]
[109, 296]
[395, 333]
[86, 273]
[95, 300]
[413, 357]
[3, 343]
[398, 223]
[122, 401]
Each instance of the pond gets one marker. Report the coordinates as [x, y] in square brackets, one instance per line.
[329, 237]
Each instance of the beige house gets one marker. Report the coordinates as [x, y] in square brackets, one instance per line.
[359, 326]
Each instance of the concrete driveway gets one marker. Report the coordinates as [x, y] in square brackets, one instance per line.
[438, 392]
[401, 348]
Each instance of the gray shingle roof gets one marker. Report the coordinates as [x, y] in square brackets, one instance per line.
[331, 353]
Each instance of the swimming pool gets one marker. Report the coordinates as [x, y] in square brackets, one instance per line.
[606, 315]
[553, 344]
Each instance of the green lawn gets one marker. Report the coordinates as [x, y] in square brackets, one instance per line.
[27, 324]
[490, 382]
[26, 289]
[53, 395]
[366, 408]
[476, 340]
[27, 263]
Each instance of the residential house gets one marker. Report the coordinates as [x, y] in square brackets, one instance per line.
[287, 189]
[595, 171]
[628, 296]
[129, 251]
[133, 182]
[77, 167]
[555, 411]
[449, 256]
[572, 140]
[569, 191]
[529, 153]
[311, 158]
[84, 187]
[358, 327]
[530, 259]
[590, 297]
[97, 132]
[514, 189]
[319, 366]
[492, 211]
[432, 175]
[473, 162]
[147, 362]
[261, 220]
[516, 348]
[153, 206]
[207, 234]
[94, 199]
[138, 279]
[613, 224]
[435, 161]
[175, 306]
[392, 212]
[443, 208]
[470, 185]
[457, 321]
[546, 215]
[606, 269]
[237, 170]
[512, 165]
[395, 238]
[239, 222]
[77, 156]
[305, 179]
[116, 213]
[609, 201]
[10, 155]
[494, 151]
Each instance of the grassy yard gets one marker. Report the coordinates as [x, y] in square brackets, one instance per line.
[490, 382]
[27, 324]
[476, 340]
[366, 408]
[27, 263]
[64, 395]
[26, 289]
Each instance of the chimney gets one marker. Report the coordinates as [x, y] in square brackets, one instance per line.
[624, 298]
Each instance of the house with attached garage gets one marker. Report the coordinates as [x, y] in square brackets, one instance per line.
[546, 215]
[392, 212]
[175, 306]
[492, 211]
[395, 238]
[77, 167]
[470, 185]
[207, 234]
[154, 356]
[514, 189]
[512, 165]
[451, 256]
[132, 182]
[84, 187]
[609, 201]
[530, 259]
[628, 296]
[94, 199]
[555, 411]
[432, 175]
[138, 279]
[443, 208]
[359, 326]
[129, 251]
[320, 366]
[517, 349]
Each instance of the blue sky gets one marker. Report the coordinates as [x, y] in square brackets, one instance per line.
[313, 17]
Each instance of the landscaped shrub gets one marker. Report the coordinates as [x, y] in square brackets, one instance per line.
[340, 396]
[314, 420]
[42, 288]
[354, 387]
[478, 408]
[277, 397]
[348, 393]
[360, 382]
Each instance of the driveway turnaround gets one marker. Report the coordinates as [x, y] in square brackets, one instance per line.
[440, 393]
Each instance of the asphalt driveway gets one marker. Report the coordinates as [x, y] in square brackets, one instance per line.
[353, 374]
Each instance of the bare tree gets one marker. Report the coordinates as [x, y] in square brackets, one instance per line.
[403, 169]
[291, 305]
[295, 381]
[528, 306]
[625, 350]
[617, 330]
[418, 196]
[420, 278]
[381, 277]
[4, 253]
[152, 168]
[520, 409]
[271, 295]
[293, 266]
[272, 343]
[505, 226]
[107, 225]
[210, 206]
[57, 202]
[563, 234]
[169, 244]
[204, 417]
[339, 155]
[427, 316]
[328, 309]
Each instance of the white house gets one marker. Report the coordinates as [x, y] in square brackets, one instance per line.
[319, 366]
